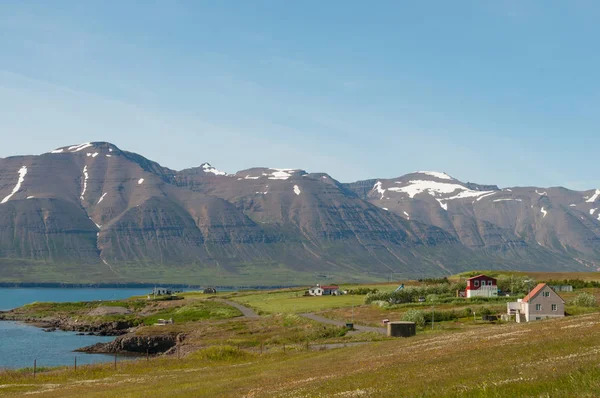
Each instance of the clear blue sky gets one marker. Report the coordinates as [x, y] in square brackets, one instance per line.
[502, 92]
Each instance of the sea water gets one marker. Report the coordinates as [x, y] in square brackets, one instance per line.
[21, 344]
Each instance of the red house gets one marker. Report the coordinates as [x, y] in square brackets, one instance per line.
[482, 286]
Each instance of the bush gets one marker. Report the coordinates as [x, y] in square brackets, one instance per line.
[485, 311]
[416, 316]
[585, 300]
[361, 291]
[432, 298]
[410, 294]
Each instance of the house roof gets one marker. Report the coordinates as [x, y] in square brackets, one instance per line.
[330, 287]
[536, 290]
[479, 276]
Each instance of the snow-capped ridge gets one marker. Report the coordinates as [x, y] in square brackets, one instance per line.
[79, 148]
[436, 174]
[207, 168]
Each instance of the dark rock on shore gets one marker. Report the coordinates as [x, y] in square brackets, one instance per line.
[135, 344]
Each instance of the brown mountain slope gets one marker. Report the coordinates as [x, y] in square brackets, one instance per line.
[138, 221]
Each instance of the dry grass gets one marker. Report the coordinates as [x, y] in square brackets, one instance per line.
[546, 358]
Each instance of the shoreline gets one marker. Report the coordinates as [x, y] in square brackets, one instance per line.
[135, 285]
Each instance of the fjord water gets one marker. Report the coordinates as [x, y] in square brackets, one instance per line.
[20, 344]
[16, 297]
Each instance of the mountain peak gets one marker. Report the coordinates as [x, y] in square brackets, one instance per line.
[436, 174]
[87, 146]
[207, 168]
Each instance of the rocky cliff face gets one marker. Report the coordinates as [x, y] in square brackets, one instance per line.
[95, 212]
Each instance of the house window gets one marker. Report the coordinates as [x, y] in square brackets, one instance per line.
[554, 307]
[538, 307]
[546, 294]
[476, 283]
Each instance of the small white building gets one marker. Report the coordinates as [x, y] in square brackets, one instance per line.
[318, 290]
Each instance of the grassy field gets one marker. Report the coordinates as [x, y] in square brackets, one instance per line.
[555, 358]
[294, 301]
[188, 308]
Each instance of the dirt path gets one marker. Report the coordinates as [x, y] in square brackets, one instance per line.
[328, 321]
[247, 312]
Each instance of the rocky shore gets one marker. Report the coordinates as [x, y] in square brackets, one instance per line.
[136, 344]
[125, 343]
[115, 328]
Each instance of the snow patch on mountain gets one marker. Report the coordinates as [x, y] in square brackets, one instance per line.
[508, 199]
[407, 215]
[85, 180]
[209, 169]
[541, 193]
[594, 197]
[484, 196]
[140, 181]
[592, 211]
[297, 190]
[77, 148]
[22, 173]
[572, 205]
[435, 188]
[280, 174]
[30, 197]
[377, 187]
[435, 174]
[442, 204]
[250, 178]
[544, 212]
[102, 197]
[57, 151]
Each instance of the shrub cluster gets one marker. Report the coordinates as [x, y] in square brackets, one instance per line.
[435, 281]
[361, 291]
[576, 283]
[585, 299]
[411, 294]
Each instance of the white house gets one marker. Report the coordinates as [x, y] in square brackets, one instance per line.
[324, 290]
[541, 303]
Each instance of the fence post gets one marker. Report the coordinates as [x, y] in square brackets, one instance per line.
[76, 364]
[261, 347]
[34, 367]
[307, 347]
[115, 360]
[147, 354]
[284, 347]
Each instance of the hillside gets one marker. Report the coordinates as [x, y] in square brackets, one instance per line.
[93, 212]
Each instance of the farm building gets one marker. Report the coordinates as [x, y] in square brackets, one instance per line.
[481, 286]
[162, 291]
[210, 290]
[324, 290]
[541, 303]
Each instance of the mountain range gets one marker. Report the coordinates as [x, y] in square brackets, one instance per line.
[95, 213]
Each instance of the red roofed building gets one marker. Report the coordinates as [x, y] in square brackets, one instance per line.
[541, 303]
[481, 286]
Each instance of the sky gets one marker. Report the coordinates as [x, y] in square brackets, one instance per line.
[494, 92]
